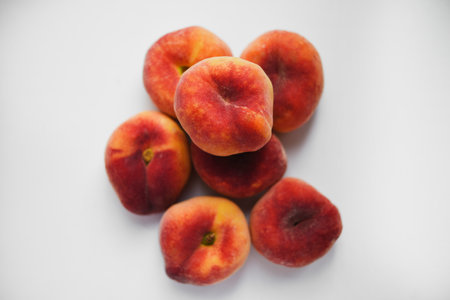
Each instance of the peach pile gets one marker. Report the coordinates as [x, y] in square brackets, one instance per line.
[227, 108]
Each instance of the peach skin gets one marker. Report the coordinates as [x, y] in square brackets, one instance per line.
[203, 240]
[171, 55]
[295, 69]
[241, 175]
[293, 224]
[147, 162]
[225, 105]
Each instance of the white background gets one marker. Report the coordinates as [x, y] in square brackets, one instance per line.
[378, 146]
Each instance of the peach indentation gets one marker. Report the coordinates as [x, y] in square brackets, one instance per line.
[147, 155]
[209, 238]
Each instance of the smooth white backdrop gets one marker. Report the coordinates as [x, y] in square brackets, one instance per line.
[378, 147]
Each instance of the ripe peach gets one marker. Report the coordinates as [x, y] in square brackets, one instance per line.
[147, 161]
[171, 55]
[204, 240]
[241, 175]
[225, 105]
[294, 67]
[293, 224]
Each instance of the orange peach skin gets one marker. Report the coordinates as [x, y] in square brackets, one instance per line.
[293, 224]
[241, 175]
[171, 55]
[148, 163]
[225, 105]
[295, 69]
[204, 240]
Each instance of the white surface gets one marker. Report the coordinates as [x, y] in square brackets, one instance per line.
[378, 147]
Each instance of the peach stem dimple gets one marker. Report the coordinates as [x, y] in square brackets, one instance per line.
[147, 155]
[208, 239]
[182, 69]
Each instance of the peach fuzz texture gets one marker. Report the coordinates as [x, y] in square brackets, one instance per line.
[241, 175]
[295, 69]
[148, 187]
[169, 56]
[293, 224]
[182, 229]
[225, 105]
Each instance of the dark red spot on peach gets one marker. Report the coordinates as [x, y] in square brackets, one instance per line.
[128, 176]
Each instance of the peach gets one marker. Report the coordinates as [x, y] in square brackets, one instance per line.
[225, 105]
[171, 55]
[147, 161]
[295, 69]
[241, 175]
[203, 240]
[293, 224]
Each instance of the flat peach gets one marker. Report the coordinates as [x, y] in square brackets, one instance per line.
[147, 161]
[171, 55]
[241, 175]
[204, 240]
[293, 224]
[295, 69]
[225, 105]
